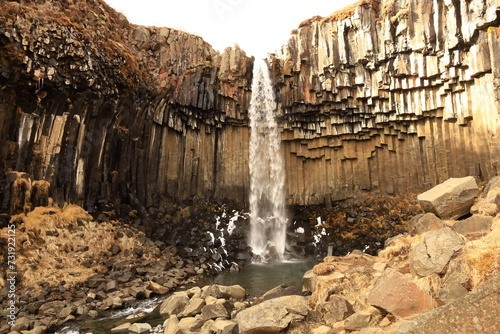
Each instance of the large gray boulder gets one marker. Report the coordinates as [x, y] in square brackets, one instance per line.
[272, 316]
[451, 199]
[433, 254]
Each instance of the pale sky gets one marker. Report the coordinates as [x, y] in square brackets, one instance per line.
[257, 26]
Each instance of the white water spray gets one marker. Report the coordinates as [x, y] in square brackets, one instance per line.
[267, 177]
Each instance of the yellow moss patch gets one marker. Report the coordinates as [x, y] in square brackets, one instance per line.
[349, 10]
[482, 257]
[55, 245]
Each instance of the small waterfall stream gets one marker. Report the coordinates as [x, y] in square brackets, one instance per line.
[267, 176]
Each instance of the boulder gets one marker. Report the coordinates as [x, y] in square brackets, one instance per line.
[475, 313]
[433, 254]
[335, 309]
[51, 308]
[123, 328]
[171, 325]
[111, 286]
[211, 291]
[137, 292]
[357, 321]
[474, 227]
[490, 204]
[453, 287]
[136, 316]
[157, 288]
[66, 312]
[21, 324]
[272, 316]
[451, 199]
[214, 311]
[233, 291]
[190, 325]
[280, 291]
[194, 307]
[424, 223]
[398, 295]
[309, 281]
[174, 304]
[221, 326]
[139, 328]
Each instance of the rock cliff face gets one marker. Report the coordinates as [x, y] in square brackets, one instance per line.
[103, 109]
[390, 96]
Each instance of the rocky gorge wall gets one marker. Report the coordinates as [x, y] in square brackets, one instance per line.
[106, 110]
[388, 96]
[391, 96]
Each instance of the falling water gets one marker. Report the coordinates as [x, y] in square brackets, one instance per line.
[267, 178]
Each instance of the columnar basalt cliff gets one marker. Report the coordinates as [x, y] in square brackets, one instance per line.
[106, 110]
[391, 96]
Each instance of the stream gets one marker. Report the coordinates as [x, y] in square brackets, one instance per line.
[256, 279]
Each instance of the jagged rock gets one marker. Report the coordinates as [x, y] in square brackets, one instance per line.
[453, 287]
[272, 316]
[171, 325]
[190, 325]
[478, 312]
[194, 307]
[214, 311]
[157, 288]
[137, 292]
[221, 326]
[357, 321]
[424, 223]
[66, 312]
[335, 309]
[211, 291]
[473, 227]
[51, 308]
[111, 286]
[489, 205]
[450, 199]
[123, 328]
[174, 304]
[280, 291]
[139, 328]
[432, 255]
[309, 281]
[21, 324]
[398, 295]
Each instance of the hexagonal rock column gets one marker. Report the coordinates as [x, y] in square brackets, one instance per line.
[451, 199]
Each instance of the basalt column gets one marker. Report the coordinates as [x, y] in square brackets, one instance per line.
[391, 96]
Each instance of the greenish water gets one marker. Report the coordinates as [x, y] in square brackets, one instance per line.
[256, 279]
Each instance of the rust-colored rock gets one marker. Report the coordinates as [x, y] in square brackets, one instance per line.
[398, 295]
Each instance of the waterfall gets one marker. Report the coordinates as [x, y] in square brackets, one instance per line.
[267, 177]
